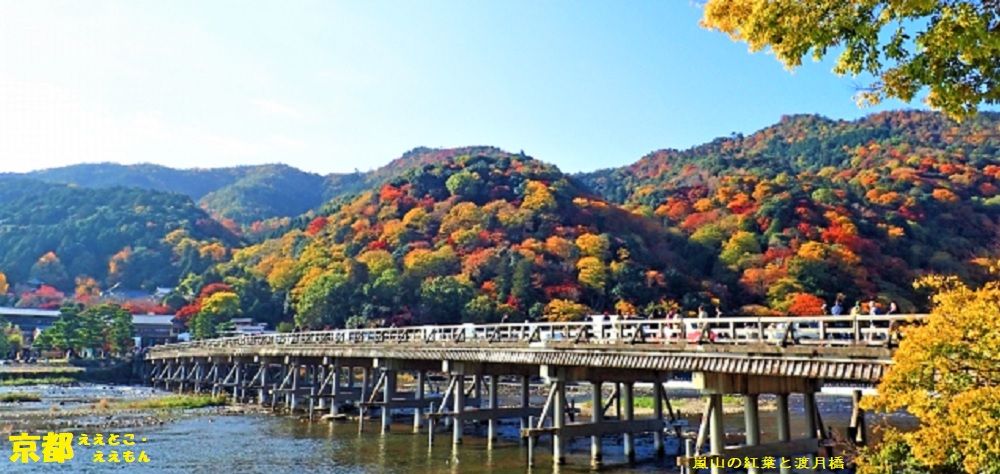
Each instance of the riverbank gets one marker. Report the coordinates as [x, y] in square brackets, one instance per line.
[88, 406]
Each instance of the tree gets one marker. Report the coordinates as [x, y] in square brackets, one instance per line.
[465, 184]
[117, 328]
[947, 46]
[216, 309]
[324, 300]
[481, 310]
[741, 245]
[593, 275]
[87, 289]
[49, 269]
[805, 304]
[592, 245]
[559, 310]
[945, 374]
[537, 197]
[443, 299]
[4, 286]
[5, 344]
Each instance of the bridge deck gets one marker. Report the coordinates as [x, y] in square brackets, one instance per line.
[835, 348]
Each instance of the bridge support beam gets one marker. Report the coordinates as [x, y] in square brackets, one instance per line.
[336, 371]
[857, 430]
[388, 392]
[658, 446]
[459, 408]
[716, 430]
[809, 408]
[525, 401]
[596, 416]
[420, 395]
[628, 402]
[494, 399]
[751, 420]
[784, 428]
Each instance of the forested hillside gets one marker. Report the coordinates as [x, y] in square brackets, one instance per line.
[812, 207]
[471, 237]
[778, 221]
[67, 236]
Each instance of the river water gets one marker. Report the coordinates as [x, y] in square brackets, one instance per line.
[210, 440]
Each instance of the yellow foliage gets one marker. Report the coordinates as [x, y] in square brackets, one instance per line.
[559, 247]
[593, 245]
[559, 310]
[4, 286]
[377, 261]
[593, 273]
[537, 197]
[946, 372]
[812, 250]
[215, 251]
[703, 205]
[626, 308]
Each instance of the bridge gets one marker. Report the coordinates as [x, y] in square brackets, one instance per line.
[360, 368]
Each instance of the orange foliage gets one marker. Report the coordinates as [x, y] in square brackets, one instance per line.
[805, 304]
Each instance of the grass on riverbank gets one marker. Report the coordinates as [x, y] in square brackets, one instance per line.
[14, 397]
[643, 405]
[22, 381]
[176, 402]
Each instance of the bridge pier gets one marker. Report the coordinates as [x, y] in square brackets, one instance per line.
[751, 419]
[784, 427]
[459, 407]
[335, 381]
[857, 430]
[628, 402]
[596, 417]
[420, 395]
[715, 385]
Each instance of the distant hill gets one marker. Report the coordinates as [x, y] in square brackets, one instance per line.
[245, 194]
[812, 207]
[136, 237]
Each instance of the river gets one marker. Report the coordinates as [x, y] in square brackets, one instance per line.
[207, 440]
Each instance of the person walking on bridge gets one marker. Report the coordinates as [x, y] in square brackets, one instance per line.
[872, 307]
[837, 309]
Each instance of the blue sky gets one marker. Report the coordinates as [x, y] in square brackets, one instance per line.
[336, 86]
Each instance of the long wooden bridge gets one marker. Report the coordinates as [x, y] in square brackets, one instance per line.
[332, 370]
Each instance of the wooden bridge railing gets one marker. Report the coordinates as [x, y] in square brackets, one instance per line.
[881, 330]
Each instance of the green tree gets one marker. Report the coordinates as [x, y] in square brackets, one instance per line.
[948, 46]
[116, 323]
[741, 245]
[480, 310]
[443, 299]
[466, 184]
[325, 300]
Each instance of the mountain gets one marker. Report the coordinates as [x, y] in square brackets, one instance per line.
[812, 207]
[469, 235]
[246, 194]
[138, 238]
[783, 220]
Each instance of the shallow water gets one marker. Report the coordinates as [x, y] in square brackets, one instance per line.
[207, 441]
